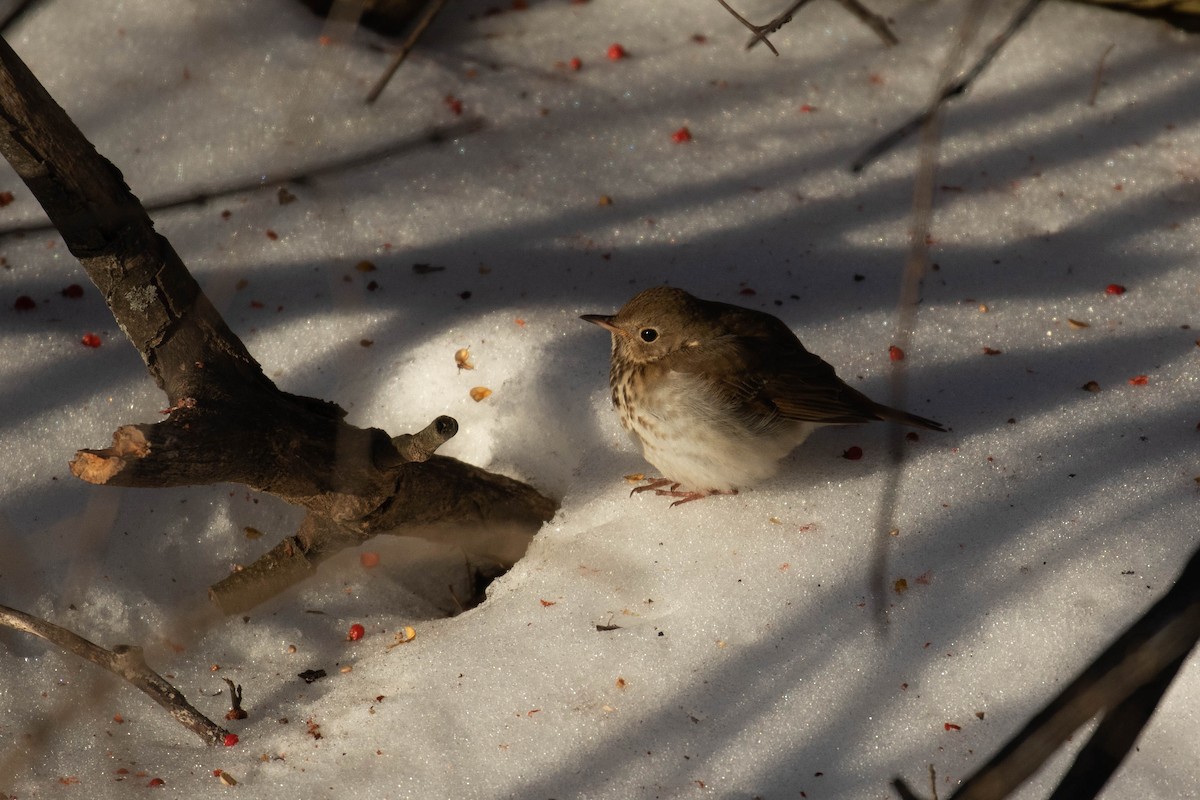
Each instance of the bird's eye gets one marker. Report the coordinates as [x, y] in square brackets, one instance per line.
[648, 334]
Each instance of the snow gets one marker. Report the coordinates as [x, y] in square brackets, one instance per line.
[749, 660]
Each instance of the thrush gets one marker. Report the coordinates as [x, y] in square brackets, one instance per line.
[717, 394]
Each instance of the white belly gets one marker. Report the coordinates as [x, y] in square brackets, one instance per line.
[703, 446]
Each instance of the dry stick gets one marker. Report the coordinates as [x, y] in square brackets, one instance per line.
[951, 90]
[126, 662]
[1142, 657]
[872, 20]
[760, 31]
[868, 17]
[1099, 74]
[1114, 738]
[431, 11]
[915, 266]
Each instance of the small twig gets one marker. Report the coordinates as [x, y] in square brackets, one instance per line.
[933, 781]
[872, 20]
[1099, 74]
[864, 14]
[760, 31]
[235, 702]
[959, 86]
[126, 662]
[431, 11]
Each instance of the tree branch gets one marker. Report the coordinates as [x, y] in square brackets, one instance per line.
[228, 422]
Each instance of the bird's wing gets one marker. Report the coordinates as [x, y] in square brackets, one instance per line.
[772, 379]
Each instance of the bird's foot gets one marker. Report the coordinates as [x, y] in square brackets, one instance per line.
[672, 489]
[655, 485]
[687, 497]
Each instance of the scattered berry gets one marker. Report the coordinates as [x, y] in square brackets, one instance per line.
[682, 135]
[356, 632]
[1114, 288]
[616, 52]
[895, 353]
[24, 303]
[90, 340]
[853, 453]
[575, 64]
[230, 739]
[1139, 380]
[73, 292]
[369, 560]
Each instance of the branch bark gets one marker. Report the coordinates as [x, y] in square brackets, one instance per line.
[227, 422]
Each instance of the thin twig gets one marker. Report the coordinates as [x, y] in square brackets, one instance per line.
[864, 14]
[1099, 74]
[760, 31]
[872, 20]
[431, 11]
[902, 132]
[126, 662]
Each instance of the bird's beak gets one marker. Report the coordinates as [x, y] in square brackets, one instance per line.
[604, 321]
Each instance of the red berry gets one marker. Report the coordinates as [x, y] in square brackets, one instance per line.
[369, 559]
[74, 291]
[895, 353]
[1139, 380]
[25, 303]
[230, 740]
[90, 340]
[616, 52]
[682, 135]
[575, 64]
[807, 109]
[157, 782]
[1114, 288]
[950, 726]
[356, 632]
[454, 104]
[853, 453]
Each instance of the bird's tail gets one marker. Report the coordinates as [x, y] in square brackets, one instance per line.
[905, 418]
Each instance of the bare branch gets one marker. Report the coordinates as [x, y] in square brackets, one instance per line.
[126, 662]
[432, 9]
[948, 91]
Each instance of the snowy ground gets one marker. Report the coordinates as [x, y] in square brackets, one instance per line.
[748, 661]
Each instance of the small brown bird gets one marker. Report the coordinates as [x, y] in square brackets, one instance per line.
[718, 394]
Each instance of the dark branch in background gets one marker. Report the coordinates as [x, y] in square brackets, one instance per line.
[949, 90]
[125, 662]
[432, 8]
[1125, 683]
[299, 175]
[761, 32]
[15, 13]
[229, 422]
